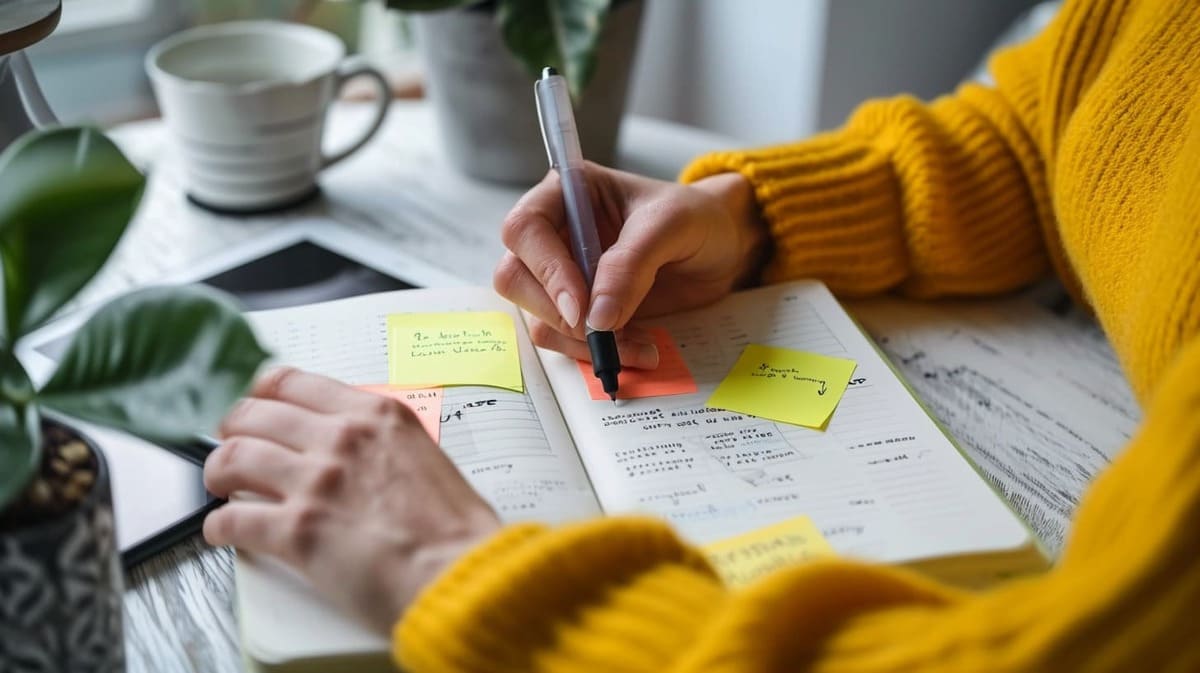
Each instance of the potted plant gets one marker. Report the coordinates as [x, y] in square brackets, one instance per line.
[482, 59]
[163, 363]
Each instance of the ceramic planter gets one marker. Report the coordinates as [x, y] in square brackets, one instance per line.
[483, 97]
[61, 589]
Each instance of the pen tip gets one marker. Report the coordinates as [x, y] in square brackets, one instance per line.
[614, 397]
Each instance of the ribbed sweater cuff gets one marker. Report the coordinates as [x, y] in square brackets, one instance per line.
[833, 207]
[531, 598]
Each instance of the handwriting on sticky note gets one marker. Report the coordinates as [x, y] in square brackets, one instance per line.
[671, 377]
[453, 349]
[426, 403]
[745, 558]
[784, 385]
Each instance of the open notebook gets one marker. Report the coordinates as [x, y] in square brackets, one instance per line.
[882, 482]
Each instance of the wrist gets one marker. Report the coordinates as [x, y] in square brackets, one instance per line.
[752, 237]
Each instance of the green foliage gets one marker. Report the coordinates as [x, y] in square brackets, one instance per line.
[558, 33]
[163, 363]
[65, 198]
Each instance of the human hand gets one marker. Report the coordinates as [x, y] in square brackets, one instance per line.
[668, 247]
[350, 490]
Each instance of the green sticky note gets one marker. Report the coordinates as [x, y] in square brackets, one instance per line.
[784, 385]
[474, 348]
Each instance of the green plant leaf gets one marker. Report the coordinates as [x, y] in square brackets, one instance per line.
[66, 195]
[558, 33]
[164, 363]
[428, 5]
[20, 449]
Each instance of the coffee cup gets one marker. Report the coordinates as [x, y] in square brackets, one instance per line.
[244, 103]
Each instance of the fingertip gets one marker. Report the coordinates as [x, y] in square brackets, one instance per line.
[568, 308]
[216, 527]
[639, 356]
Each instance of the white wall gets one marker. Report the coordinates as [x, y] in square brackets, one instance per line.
[774, 70]
[749, 69]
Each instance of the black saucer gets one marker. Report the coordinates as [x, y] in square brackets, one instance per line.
[302, 199]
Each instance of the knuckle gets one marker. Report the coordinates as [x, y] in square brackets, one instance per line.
[327, 478]
[233, 419]
[272, 384]
[392, 412]
[507, 274]
[549, 269]
[517, 223]
[303, 529]
[542, 334]
[348, 436]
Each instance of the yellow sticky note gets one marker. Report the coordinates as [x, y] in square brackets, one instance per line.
[784, 385]
[743, 559]
[476, 348]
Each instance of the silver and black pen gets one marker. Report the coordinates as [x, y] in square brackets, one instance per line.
[566, 157]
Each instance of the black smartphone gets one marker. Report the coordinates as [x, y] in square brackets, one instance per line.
[158, 491]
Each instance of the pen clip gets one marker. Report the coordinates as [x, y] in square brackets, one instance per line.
[537, 97]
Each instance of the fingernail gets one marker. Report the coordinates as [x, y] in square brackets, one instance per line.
[604, 313]
[645, 356]
[568, 308]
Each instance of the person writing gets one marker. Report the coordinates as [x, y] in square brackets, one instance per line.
[1083, 159]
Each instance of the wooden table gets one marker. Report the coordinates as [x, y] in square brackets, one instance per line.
[1027, 384]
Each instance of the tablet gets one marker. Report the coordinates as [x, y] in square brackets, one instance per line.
[158, 491]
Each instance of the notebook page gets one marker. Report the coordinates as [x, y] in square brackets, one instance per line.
[882, 482]
[512, 447]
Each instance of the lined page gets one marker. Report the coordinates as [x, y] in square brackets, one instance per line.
[512, 447]
[882, 482]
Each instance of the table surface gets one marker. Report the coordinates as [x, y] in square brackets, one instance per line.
[1026, 384]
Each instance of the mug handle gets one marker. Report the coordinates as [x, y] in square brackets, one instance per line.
[346, 71]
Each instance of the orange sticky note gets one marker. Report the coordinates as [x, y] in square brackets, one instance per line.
[670, 378]
[426, 403]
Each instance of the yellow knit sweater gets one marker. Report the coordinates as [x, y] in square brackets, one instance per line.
[1084, 158]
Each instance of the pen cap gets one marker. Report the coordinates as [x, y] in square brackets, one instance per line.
[558, 122]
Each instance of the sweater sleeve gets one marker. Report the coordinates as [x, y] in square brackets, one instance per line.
[625, 594]
[946, 198]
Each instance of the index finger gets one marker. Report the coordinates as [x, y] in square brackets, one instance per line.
[533, 231]
[310, 391]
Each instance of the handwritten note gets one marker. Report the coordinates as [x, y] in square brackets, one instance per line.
[784, 385]
[743, 559]
[460, 348]
[426, 404]
[670, 378]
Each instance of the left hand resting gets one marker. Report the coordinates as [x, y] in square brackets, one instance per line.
[350, 490]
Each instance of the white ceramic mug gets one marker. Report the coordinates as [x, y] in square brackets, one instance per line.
[245, 104]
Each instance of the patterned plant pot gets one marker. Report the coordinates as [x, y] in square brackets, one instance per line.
[61, 589]
[483, 96]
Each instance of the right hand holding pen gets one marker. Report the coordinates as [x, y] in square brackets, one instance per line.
[668, 247]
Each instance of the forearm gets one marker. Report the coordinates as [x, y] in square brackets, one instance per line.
[939, 199]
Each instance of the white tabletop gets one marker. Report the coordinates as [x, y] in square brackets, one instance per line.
[1027, 385]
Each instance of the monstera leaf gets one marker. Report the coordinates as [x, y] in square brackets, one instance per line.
[66, 196]
[558, 33]
[164, 363]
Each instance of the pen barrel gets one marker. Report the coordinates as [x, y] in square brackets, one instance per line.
[585, 242]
